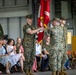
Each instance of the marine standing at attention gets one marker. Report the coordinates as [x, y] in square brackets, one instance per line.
[29, 31]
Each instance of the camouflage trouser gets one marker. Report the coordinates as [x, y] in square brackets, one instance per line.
[64, 57]
[56, 54]
[29, 54]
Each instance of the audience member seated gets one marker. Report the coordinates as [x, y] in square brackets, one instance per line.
[45, 64]
[19, 48]
[14, 58]
[42, 58]
[67, 64]
[46, 48]
[34, 67]
[70, 57]
[74, 60]
[4, 58]
[5, 39]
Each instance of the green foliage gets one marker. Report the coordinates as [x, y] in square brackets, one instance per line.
[1, 32]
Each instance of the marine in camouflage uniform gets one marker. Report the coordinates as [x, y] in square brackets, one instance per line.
[28, 44]
[56, 35]
[65, 57]
[46, 40]
[46, 48]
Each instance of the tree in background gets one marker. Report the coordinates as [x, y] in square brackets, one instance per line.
[1, 32]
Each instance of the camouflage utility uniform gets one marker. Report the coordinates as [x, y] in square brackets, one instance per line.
[64, 46]
[44, 45]
[28, 44]
[56, 46]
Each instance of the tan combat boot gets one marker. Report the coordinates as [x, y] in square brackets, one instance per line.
[27, 72]
[63, 72]
[57, 72]
[60, 73]
[31, 73]
[53, 73]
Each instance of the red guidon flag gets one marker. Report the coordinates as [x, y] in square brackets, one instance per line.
[47, 13]
[43, 17]
[41, 20]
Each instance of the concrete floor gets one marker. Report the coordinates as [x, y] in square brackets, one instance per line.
[69, 72]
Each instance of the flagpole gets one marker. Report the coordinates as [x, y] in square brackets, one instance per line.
[43, 20]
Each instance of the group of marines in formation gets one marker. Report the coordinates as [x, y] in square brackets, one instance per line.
[57, 46]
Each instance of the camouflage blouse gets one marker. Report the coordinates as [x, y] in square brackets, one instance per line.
[56, 35]
[29, 39]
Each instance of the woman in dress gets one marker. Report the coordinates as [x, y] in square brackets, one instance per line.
[14, 58]
[19, 48]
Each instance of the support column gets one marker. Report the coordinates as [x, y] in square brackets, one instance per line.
[52, 7]
[30, 6]
[66, 9]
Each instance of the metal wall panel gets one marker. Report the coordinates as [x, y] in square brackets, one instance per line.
[21, 2]
[9, 2]
[23, 22]
[14, 31]
[1, 3]
[13, 27]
